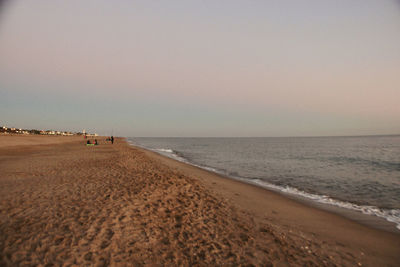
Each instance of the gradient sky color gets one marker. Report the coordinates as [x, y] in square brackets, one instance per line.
[201, 68]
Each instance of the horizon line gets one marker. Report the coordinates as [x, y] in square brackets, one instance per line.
[305, 136]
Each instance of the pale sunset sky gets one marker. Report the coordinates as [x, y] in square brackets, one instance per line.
[201, 68]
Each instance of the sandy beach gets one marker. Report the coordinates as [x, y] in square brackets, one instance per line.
[63, 203]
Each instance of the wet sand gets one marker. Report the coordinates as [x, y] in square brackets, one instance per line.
[63, 203]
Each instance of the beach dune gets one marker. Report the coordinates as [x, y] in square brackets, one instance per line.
[64, 203]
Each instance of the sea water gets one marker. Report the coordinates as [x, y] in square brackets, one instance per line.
[360, 173]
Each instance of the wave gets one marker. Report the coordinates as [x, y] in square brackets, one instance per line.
[163, 151]
[387, 165]
[169, 153]
[391, 215]
[167, 150]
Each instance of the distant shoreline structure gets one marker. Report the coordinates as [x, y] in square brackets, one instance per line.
[14, 130]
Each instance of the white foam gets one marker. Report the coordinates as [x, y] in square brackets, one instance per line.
[391, 215]
[169, 153]
[167, 150]
[206, 168]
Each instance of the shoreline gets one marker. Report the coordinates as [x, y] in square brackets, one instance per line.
[299, 214]
[369, 220]
[66, 203]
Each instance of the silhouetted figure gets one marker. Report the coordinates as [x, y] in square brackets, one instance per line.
[95, 142]
[112, 139]
[88, 142]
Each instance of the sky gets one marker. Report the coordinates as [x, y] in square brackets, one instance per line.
[201, 68]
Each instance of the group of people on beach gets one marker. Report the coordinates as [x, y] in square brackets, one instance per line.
[88, 142]
[95, 143]
[111, 139]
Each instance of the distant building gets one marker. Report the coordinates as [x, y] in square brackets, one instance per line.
[13, 130]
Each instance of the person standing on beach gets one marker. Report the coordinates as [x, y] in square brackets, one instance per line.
[112, 139]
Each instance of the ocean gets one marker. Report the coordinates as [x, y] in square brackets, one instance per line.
[360, 173]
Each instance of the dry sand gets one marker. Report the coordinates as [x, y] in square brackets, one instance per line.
[68, 204]
[12, 140]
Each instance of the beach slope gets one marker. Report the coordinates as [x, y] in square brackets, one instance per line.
[65, 203]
